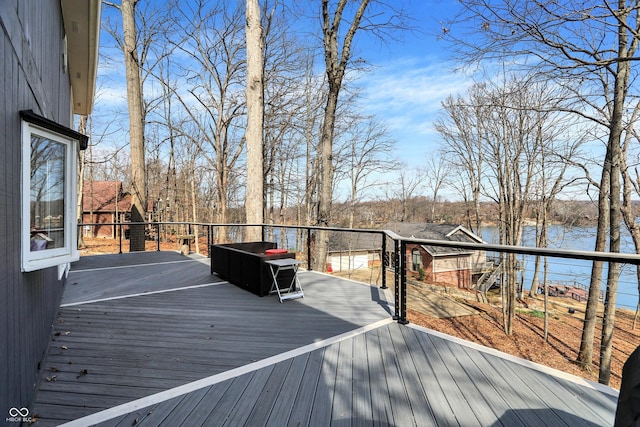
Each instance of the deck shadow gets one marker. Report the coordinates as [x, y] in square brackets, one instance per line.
[114, 343]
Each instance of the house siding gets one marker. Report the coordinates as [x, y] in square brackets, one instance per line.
[31, 40]
[448, 271]
[107, 231]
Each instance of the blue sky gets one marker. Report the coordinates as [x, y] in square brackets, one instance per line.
[410, 78]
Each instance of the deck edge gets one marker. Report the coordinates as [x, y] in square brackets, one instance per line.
[522, 362]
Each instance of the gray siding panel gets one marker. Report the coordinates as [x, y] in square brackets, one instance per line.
[31, 37]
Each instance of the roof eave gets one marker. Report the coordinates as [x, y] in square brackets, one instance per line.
[82, 28]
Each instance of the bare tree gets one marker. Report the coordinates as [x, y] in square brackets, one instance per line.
[337, 55]
[286, 88]
[461, 130]
[631, 185]
[590, 49]
[514, 145]
[82, 128]
[140, 33]
[404, 188]
[136, 122]
[210, 91]
[437, 172]
[337, 44]
[369, 154]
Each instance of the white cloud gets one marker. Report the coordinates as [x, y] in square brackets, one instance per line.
[411, 90]
[407, 96]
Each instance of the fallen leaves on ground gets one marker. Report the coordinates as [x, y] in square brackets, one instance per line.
[527, 341]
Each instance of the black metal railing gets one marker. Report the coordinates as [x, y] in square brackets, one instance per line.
[395, 261]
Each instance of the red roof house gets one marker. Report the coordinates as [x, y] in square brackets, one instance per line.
[104, 202]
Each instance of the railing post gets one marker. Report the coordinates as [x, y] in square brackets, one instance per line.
[384, 262]
[309, 249]
[189, 231]
[396, 278]
[209, 240]
[120, 235]
[403, 284]
[158, 235]
[262, 231]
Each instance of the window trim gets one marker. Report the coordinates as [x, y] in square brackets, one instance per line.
[416, 259]
[38, 260]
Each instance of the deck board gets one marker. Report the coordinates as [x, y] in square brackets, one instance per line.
[341, 410]
[486, 402]
[301, 411]
[419, 404]
[442, 368]
[321, 410]
[229, 400]
[183, 410]
[398, 393]
[438, 401]
[210, 400]
[283, 405]
[248, 399]
[361, 375]
[381, 400]
[269, 394]
[111, 352]
[515, 398]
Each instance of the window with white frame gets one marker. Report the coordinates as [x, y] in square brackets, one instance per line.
[416, 259]
[49, 164]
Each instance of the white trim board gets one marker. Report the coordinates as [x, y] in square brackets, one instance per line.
[134, 265]
[72, 304]
[163, 396]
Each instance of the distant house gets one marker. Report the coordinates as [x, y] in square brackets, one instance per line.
[104, 202]
[49, 51]
[440, 264]
[353, 251]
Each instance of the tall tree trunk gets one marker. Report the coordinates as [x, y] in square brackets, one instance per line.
[325, 195]
[585, 355]
[136, 125]
[336, 63]
[254, 201]
[609, 315]
[221, 205]
[627, 210]
[536, 263]
[630, 221]
[617, 160]
[546, 299]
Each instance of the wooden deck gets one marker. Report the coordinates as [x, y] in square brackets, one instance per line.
[154, 339]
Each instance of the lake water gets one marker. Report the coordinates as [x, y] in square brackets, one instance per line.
[560, 270]
[568, 270]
